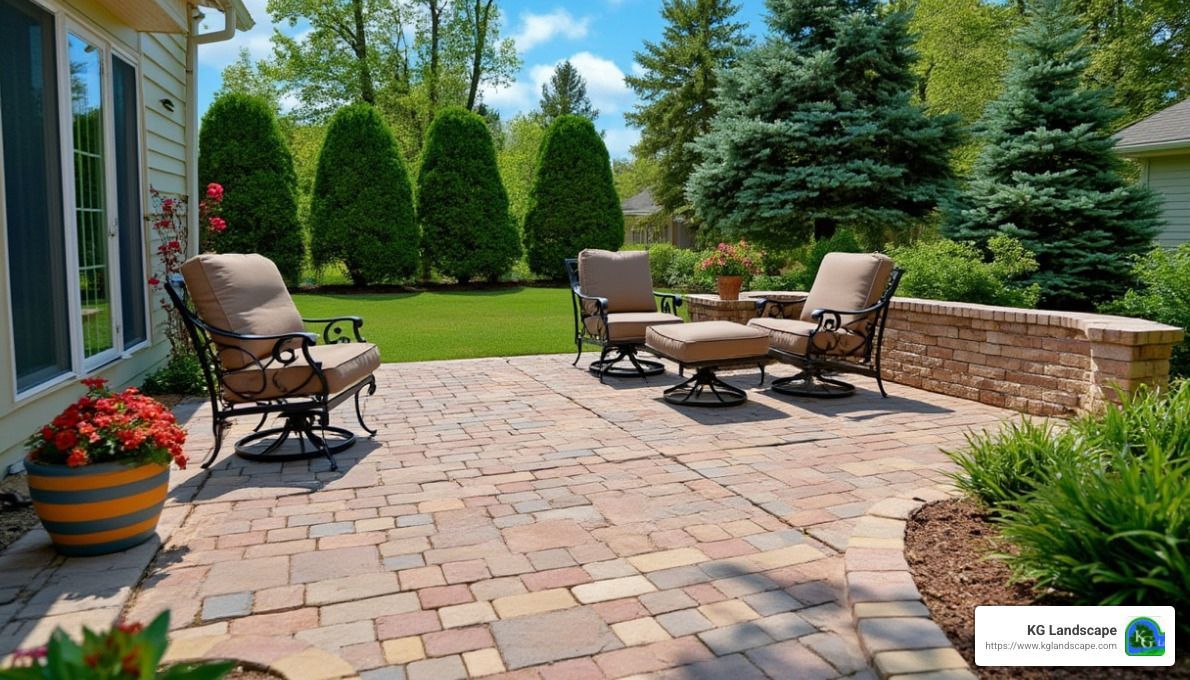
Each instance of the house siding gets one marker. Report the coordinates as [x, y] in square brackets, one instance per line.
[162, 59]
[1169, 177]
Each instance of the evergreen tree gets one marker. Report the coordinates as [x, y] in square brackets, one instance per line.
[361, 213]
[573, 204]
[461, 202]
[1048, 175]
[241, 147]
[815, 130]
[676, 87]
[566, 94]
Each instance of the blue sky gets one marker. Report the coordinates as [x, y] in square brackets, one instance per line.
[598, 36]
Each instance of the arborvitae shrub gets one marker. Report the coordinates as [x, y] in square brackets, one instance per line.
[241, 147]
[361, 213]
[573, 204]
[461, 202]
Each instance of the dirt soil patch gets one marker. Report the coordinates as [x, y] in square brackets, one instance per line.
[14, 521]
[947, 546]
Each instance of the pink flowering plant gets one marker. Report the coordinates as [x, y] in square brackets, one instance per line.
[129, 651]
[727, 259]
[170, 224]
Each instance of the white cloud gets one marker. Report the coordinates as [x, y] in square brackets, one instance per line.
[619, 141]
[537, 29]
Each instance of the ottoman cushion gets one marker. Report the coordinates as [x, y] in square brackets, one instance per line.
[705, 341]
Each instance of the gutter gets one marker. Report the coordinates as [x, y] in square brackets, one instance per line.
[193, 40]
[1173, 145]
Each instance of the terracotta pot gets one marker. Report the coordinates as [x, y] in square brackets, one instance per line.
[729, 287]
[98, 509]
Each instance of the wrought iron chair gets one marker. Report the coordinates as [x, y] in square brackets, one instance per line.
[614, 304]
[258, 359]
[837, 328]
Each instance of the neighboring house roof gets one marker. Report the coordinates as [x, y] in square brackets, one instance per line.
[1166, 130]
[640, 205]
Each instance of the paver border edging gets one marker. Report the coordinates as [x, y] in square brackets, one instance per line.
[898, 637]
[293, 659]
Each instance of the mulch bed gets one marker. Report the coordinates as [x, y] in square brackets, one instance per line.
[946, 545]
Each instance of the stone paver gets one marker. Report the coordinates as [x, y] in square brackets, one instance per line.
[515, 515]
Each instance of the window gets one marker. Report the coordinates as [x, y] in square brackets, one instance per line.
[71, 194]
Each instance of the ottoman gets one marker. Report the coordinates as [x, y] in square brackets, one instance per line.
[706, 346]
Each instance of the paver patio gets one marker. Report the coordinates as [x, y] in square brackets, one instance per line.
[515, 515]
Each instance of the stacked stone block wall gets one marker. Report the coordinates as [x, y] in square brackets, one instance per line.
[1040, 362]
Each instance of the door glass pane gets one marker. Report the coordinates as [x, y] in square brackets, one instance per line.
[33, 194]
[128, 203]
[86, 108]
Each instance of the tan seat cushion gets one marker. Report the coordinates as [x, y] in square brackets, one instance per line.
[629, 327]
[704, 341]
[793, 336]
[848, 281]
[623, 278]
[243, 294]
[343, 364]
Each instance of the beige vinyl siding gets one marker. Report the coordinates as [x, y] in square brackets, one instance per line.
[1169, 176]
[161, 60]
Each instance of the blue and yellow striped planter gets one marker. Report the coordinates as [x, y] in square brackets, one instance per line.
[98, 509]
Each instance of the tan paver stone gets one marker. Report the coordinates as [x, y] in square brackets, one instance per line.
[601, 591]
[442, 668]
[313, 664]
[640, 631]
[405, 625]
[880, 635]
[370, 608]
[324, 565]
[782, 557]
[545, 536]
[918, 661]
[951, 674]
[554, 636]
[442, 596]
[667, 559]
[457, 640]
[654, 657]
[875, 610]
[339, 635]
[279, 623]
[460, 615]
[351, 588]
[246, 575]
[727, 612]
[440, 505]
[182, 649]
[481, 662]
[533, 603]
[403, 650]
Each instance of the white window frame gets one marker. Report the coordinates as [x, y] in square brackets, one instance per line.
[66, 22]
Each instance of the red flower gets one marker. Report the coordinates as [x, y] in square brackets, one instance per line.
[215, 192]
[130, 628]
[154, 281]
[218, 225]
[167, 206]
[31, 653]
[77, 458]
[65, 440]
[95, 383]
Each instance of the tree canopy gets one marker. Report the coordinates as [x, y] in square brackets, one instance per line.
[573, 204]
[565, 93]
[676, 85]
[815, 130]
[1048, 175]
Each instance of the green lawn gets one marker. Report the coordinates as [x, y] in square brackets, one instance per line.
[456, 324]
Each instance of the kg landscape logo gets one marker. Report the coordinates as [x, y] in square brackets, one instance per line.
[1143, 637]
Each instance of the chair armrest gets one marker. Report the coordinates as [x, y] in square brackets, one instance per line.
[779, 309]
[832, 319]
[669, 302]
[600, 302]
[334, 332]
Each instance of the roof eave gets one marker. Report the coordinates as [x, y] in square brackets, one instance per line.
[1153, 148]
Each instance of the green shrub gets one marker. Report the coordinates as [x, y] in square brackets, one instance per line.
[661, 256]
[683, 272]
[999, 469]
[842, 241]
[361, 213]
[1146, 418]
[573, 203]
[1116, 533]
[955, 271]
[241, 147]
[792, 281]
[182, 374]
[461, 202]
[1163, 295]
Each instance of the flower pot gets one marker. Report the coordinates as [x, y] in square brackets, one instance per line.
[98, 509]
[729, 287]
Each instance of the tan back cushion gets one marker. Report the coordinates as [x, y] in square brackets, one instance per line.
[623, 278]
[848, 281]
[243, 294]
